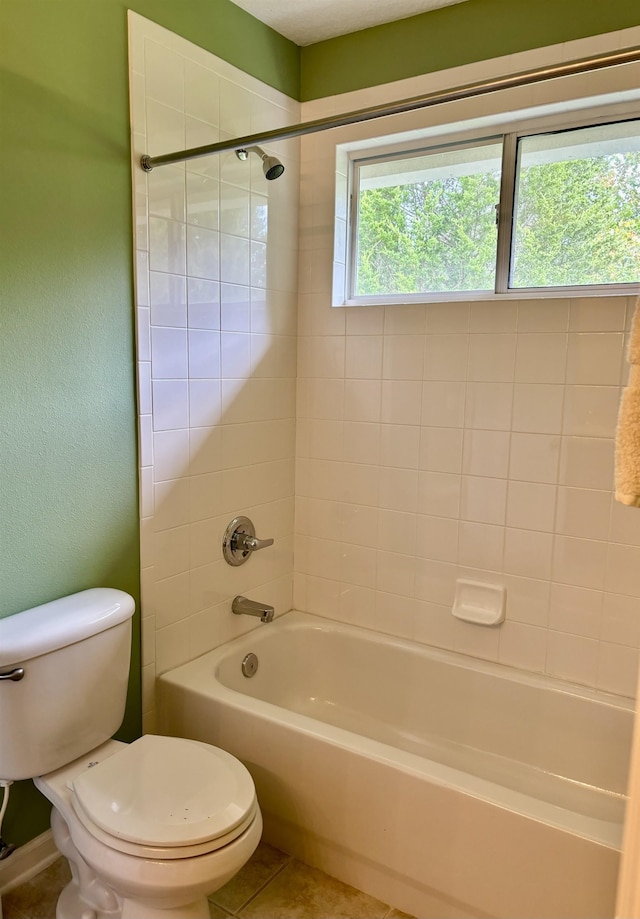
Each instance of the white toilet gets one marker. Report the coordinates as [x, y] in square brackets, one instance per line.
[149, 828]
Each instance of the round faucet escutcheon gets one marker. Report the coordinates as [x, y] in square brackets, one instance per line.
[240, 540]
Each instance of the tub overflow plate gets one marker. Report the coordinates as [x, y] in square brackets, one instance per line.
[250, 664]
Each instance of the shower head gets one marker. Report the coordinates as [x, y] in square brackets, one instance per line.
[271, 166]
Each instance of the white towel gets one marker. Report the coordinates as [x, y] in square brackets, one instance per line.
[628, 432]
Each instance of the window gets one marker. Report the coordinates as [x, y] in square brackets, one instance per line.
[577, 208]
[556, 210]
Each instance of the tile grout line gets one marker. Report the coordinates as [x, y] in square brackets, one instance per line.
[261, 888]
[266, 883]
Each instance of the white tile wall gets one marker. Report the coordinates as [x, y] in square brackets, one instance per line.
[216, 347]
[432, 441]
[448, 467]
[461, 440]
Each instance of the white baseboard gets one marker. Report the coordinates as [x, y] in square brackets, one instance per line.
[27, 861]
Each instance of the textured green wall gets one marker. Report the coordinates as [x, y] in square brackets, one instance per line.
[447, 37]
[68, 482]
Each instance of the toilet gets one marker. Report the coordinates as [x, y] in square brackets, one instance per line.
[149, 828]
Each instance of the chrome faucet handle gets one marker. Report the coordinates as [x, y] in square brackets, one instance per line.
[253, 543]
[240, 541]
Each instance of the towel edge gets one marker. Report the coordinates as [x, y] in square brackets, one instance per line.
[629, 500]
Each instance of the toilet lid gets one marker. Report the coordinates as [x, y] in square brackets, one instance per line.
[166, 792]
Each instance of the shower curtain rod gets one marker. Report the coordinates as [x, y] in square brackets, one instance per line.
[481, 88]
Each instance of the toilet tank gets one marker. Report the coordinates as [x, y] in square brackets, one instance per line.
[75, 654]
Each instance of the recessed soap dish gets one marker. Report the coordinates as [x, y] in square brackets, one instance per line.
[482, 604]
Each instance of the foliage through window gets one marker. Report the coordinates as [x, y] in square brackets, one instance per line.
[426, 222]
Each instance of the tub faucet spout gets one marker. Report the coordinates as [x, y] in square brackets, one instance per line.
[252, 608]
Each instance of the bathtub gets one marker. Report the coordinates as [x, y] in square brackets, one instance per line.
[444, 785]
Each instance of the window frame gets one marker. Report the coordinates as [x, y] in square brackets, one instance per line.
[506, 209]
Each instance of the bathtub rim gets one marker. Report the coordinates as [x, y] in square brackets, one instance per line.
[297, 620]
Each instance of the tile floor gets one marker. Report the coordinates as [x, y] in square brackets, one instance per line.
[271, 885]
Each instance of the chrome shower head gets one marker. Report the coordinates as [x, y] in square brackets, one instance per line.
[271, 166]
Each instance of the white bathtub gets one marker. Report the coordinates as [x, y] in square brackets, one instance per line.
[443, 785]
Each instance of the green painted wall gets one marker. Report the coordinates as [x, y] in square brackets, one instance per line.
[472, 31]
[68, 482]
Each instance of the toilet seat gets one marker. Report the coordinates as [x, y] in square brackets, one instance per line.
[165, 797]
[165, 852]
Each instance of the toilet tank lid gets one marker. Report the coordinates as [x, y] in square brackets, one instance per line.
[62, 622]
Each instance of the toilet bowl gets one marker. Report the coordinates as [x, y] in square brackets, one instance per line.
[151, 828]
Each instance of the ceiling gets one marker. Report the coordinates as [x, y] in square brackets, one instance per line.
[309, 21]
